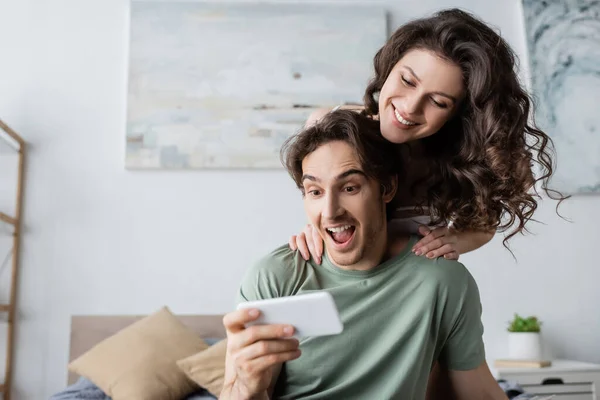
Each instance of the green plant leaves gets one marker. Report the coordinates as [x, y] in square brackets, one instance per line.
[524, 324]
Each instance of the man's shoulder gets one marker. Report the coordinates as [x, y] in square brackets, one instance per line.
[280, 260]
[443, 268]
[434, 270]
[447, 274]
[275, 274]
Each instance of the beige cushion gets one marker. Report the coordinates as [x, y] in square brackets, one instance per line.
[207, 368]
[139, 362]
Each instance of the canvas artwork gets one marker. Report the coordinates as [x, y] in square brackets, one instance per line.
[223, 86]
[563, 38]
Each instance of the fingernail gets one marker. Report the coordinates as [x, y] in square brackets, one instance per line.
[288, 330]
[430, 255]
[253, 313]
[319, 260]
[418, 252]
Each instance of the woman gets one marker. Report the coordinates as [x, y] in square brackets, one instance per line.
[446, 88]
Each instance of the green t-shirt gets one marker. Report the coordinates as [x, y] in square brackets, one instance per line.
[398, 319]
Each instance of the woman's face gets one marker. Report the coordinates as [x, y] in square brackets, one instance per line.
[421, 93]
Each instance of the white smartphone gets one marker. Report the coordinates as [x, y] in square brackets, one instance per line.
[312, 314]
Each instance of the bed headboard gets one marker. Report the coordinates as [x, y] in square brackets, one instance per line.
[88, 330]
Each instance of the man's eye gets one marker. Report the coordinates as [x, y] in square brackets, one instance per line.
[350, 189]
[314, 192]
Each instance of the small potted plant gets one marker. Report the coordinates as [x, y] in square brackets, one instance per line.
[524, 342]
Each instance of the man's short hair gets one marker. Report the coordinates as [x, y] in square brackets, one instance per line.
[379, 159]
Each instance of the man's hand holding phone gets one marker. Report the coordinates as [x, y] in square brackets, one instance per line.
[254, 354]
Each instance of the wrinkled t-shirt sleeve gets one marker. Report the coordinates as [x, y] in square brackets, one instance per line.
[464, 348]
[256, 283]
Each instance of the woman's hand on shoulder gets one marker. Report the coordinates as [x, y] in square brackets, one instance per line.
[439, 242]
[309, 243]
[450, 243]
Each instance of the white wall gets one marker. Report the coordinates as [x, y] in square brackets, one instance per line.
[100, 239]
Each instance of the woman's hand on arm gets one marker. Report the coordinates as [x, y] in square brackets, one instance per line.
[449, 243]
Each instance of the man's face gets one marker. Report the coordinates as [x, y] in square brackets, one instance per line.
[346, 206]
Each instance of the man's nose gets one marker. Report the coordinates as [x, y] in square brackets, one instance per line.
[332, 207]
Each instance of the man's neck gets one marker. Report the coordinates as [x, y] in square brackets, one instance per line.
[387, 247]
[396, 245]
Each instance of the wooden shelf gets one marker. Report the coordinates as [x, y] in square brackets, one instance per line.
[7, 219]
[10, 137]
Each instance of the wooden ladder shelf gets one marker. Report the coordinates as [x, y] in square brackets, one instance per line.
[10, 137]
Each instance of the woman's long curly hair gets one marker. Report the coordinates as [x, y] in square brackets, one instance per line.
[483, 158]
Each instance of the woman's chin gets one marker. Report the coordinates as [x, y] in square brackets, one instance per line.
[396, 136]
[393, 134]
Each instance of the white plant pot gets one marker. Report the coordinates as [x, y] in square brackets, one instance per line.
[524, 345]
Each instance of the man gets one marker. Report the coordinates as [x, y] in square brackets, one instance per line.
[401, 312]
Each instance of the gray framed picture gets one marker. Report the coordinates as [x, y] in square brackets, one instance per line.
[563, 41]
[222, 86]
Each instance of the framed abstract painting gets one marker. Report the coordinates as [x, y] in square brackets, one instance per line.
[563, 40]
[222, 86]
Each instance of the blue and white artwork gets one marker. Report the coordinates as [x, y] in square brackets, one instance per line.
[224, 85]
[563, 38]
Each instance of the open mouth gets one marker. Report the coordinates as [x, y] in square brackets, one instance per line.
[342, 234]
